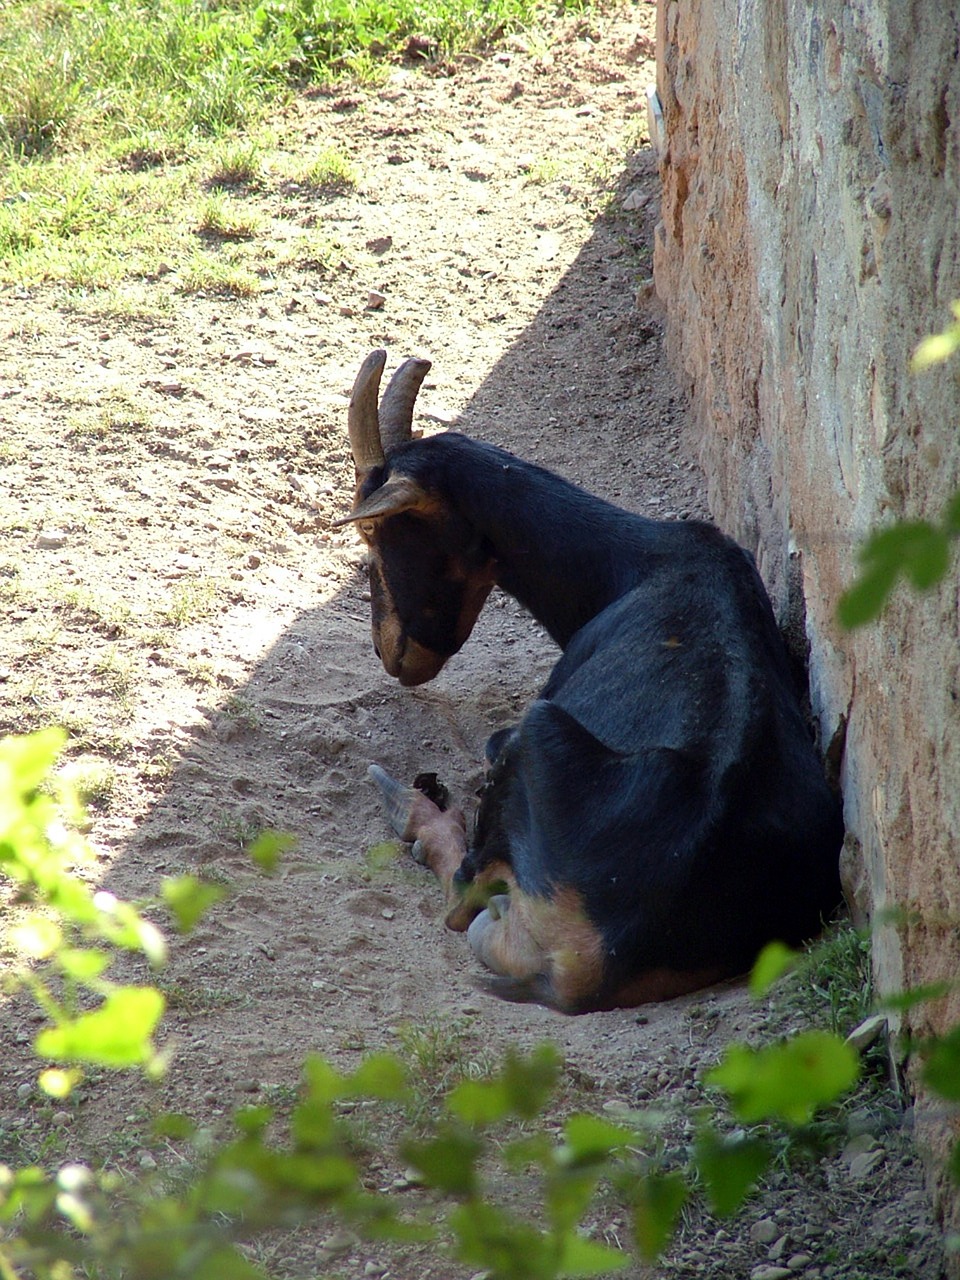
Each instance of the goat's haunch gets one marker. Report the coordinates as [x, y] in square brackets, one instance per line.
[660, 812]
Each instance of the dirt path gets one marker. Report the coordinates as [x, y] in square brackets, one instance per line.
[174, 594]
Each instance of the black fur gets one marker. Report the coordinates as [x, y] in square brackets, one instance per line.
[665, 771]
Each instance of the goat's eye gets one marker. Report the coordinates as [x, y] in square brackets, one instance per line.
[367, 527]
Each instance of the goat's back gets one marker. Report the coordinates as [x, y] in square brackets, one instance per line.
[667, 775]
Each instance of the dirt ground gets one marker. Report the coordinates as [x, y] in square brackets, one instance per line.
[174, 594]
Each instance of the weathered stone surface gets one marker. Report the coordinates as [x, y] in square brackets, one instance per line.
[809, 239]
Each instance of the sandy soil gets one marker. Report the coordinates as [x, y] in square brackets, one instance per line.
[173, 593]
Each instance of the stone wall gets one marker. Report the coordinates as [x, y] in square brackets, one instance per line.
[810, 236]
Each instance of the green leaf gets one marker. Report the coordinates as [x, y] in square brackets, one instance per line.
[489, 1237]
[188, 899]
[730, 1166]
[226, 1264]
[381, 1075]
[26, 760]
[864, 601]
[324, 1083]
[659, 1199]
[447, 1161]
[268, 846]
[384, 854]
[903, 1000]
[118, 1034]
[582, 1257]
[590, 1138]
[914, 548]
[175, 1125]
[83, 964]
[951, 516]
[568, 1196]
[521, 1089]
[787, 1081]
[253, 1120]
[935, 349]
[941, 1068]
[771, 964]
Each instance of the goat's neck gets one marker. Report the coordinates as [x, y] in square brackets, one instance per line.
[562, 553]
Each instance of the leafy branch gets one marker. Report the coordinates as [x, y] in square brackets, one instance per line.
[81, 1220]
[917, 550]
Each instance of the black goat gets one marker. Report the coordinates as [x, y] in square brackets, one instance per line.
[660, 812]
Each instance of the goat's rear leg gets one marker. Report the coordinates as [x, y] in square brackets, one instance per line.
[438, 836]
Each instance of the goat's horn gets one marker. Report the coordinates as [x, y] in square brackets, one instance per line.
[396, 407]
[362, 420]
[397, 799]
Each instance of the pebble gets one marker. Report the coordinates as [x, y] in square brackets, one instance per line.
[24, 1091]
[778, 1249]
[375, 300]
[764, 1232]
[51, 540]
[798, 1261]
[863, 1165]
[767, 1272]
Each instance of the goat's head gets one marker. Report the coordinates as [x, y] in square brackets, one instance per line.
[429, 570]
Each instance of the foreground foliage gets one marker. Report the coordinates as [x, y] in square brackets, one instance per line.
[82, 1220]
[919, 551]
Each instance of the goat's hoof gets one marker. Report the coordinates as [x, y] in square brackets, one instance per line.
[498, 905]
[478, 935]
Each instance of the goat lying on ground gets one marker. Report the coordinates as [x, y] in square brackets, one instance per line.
[659, 813]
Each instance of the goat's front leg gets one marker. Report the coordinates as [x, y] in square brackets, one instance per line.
[438, 836]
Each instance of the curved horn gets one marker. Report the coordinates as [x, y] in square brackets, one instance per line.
[396, 407]
[362, 421]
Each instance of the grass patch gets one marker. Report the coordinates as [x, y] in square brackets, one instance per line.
[116, 123]
[227, 219]
[190, 601]
[330, 172]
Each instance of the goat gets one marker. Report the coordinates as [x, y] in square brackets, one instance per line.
[660, 812]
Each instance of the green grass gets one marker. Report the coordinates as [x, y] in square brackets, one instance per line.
[120, 122]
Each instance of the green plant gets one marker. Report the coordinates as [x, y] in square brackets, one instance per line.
[89, 1218]
[918, 550]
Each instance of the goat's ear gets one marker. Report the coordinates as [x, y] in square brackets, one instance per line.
[400, 493]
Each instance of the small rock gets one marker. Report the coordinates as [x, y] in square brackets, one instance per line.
[61, 1117]
[765, 1231]
[375, 300]
[767, 1272]
[863, 1165]
[253, 561]
[870, 1030]
[51, 540]
[798, 1261]
[147, 1161]
[24, 1091]
[636, 199]
[778, 1249]
[340, 1242]
[388, 913]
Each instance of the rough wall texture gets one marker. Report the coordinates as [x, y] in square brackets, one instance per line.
[810, 236]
